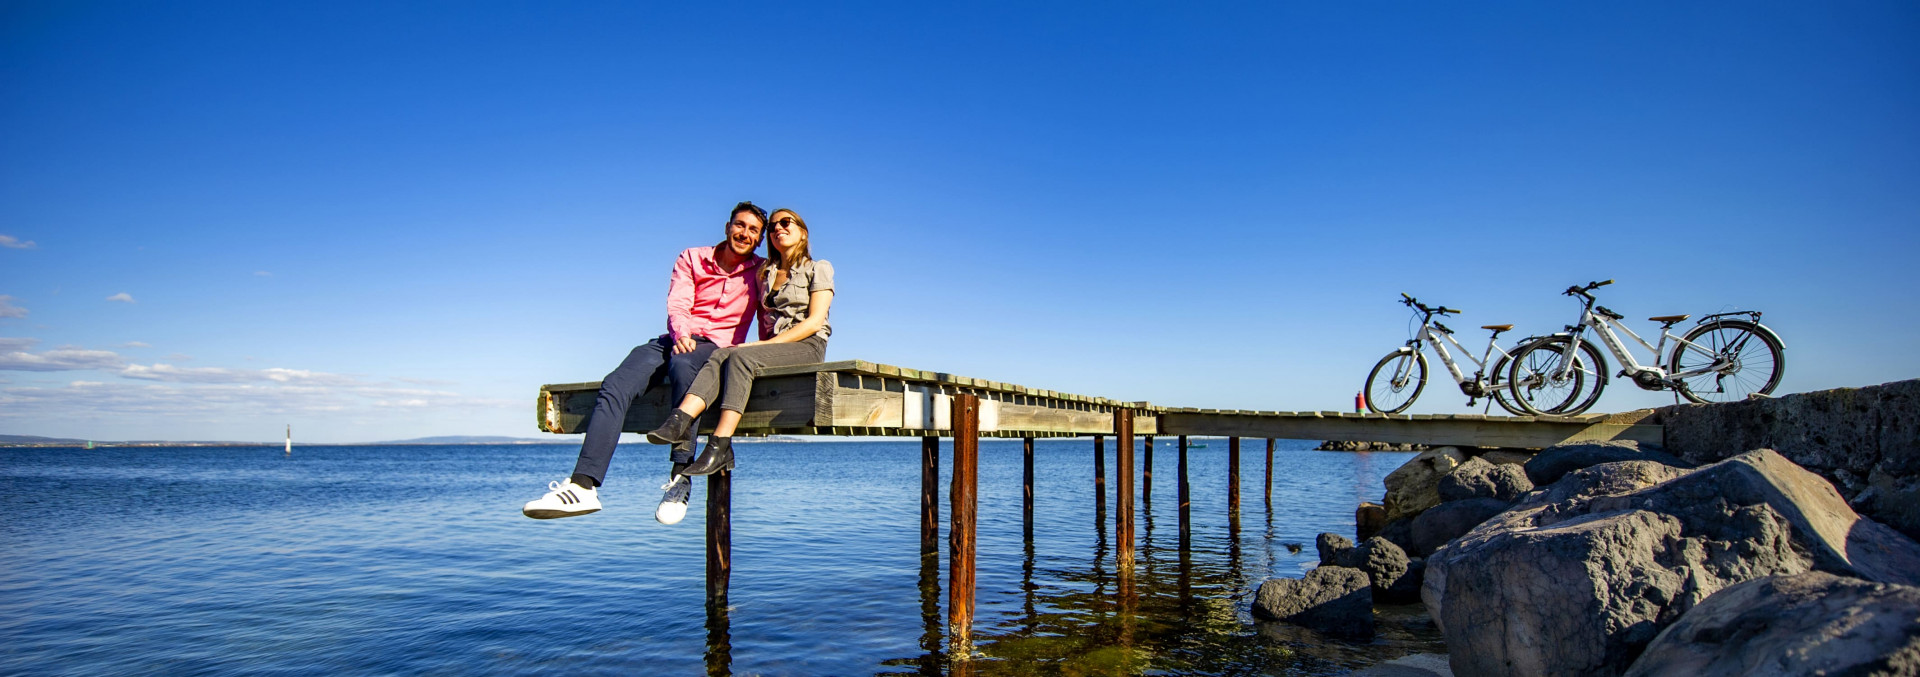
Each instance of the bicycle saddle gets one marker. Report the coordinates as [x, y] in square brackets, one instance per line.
[1669, 319]
[1497, 327]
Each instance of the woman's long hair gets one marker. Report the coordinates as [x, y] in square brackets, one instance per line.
[801, 253]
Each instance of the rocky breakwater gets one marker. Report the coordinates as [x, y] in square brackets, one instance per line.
[1618, 544]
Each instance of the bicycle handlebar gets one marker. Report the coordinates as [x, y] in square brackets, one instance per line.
[1578, 290]
[1443, 310]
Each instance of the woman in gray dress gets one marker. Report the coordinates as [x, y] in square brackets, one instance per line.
[796, 291]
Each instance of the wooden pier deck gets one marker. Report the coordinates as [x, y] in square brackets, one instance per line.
[862, 398]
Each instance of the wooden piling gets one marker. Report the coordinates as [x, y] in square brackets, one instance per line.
[1233, 474]
[1100, 471]
[1185, 523]
[719, 534]
[929, 495]
[1026, 484]
[960, 534]
[1123, 486]
[1268, 487]
[1146, 477]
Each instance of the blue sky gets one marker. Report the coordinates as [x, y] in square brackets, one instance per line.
[387, 220]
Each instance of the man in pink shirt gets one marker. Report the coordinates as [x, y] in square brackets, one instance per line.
[711, 302]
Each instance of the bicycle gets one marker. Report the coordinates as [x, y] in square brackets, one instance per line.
[1719, 360]
[1406, 367]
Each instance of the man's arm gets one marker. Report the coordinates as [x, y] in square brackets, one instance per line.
[680, 323]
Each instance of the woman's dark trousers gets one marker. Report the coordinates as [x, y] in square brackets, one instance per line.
[645, 366]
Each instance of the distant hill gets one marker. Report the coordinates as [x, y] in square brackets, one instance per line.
[33, 439]
[471, 439]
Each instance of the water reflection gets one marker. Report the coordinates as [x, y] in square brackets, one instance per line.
[719, 653]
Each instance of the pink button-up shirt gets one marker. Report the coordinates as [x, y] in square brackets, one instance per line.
[706, 300]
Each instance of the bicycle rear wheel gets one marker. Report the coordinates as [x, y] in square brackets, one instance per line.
[1542, 385]
[1396, 381]
[1741, 358]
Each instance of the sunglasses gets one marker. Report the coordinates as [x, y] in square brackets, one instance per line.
[786, 223]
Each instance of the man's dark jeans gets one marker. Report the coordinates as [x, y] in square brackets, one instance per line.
[645, 366]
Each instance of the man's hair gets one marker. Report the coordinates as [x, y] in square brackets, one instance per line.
[749, 207]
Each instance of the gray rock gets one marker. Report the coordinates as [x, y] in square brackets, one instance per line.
[1606, 479]
[1555, 462]
[1855, 437]
[1400, 532]
[1451, 520]
[1807, 624]
[1386, 564]
[1478, 478]
[1506, 457]
[1579, 586]
[1368, 519]
[1410, 665]
[1331, 599]
[1413, 486]
[1333, 548]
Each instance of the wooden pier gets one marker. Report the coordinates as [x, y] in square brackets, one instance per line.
[862, 399]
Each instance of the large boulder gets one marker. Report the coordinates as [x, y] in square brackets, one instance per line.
[1506, 456]
[1555, 462]
[1414, 486]
[1807, 624]
[1451, 520]
[1580, 585]
[1478, 478]
[1866, 440]
[1333, 548]
[1331, 599]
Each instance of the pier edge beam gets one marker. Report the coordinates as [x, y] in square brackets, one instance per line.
[1123, 486]
[1185, 523]
[929, 495]
[960, 534]
[1233, 474]
[719, 534]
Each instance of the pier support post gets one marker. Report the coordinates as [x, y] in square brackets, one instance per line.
[929, 495]
[1146, 478]
[1185, 523]
[719, 535]
[1233, 475]
[1123, 486]
[1100, 472]
[1026, 485]
[960, 533]
[1269, 485]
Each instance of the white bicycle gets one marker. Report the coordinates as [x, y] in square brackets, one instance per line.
[1396, 381]
[1721, 359]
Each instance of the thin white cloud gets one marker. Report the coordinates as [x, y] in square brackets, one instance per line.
[226, 401]
[9, 344]
[122, 297]
[135, 344]
[86, 384]
[12, 242]
[172, 374]
[61, 359]
[7, 309]
[262, 273]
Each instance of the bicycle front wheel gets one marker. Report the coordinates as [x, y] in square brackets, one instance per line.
[1734, 359]
[1542, 382]
[1396, 381]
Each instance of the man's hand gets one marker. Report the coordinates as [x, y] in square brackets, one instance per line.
[683, 346]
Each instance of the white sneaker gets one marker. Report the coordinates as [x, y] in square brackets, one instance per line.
[673, 506]
[563, 499]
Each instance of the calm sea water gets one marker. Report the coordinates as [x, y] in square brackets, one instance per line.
[415, 560]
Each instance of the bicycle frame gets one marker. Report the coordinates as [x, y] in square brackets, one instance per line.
[1603, 326]
[1432, 338]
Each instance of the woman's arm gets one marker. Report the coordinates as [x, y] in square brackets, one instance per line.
[817, 304]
